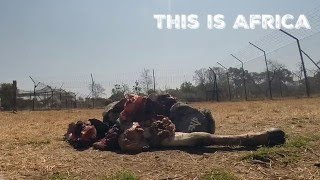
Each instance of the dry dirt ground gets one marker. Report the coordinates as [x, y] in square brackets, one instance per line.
[32, 146]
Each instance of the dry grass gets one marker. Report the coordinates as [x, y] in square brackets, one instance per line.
[32, 146]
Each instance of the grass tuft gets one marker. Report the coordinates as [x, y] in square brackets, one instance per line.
[263, 154]
[37, 143]
[298, 142]
[288, 153]
[218, 175]
[58, 176]
[122, 175]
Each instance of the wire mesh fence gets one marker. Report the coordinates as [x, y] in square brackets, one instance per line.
[285, 68]
[291, 58]
[278, 65]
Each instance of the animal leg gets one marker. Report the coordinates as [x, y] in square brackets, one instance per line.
[270, 137]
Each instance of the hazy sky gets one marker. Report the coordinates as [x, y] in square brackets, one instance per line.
[66, 40]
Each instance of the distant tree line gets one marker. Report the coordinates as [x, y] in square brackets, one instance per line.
[284, 83]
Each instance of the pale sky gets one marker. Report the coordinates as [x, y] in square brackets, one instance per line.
[60, 41]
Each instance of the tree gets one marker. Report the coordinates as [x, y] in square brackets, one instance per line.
[96, 90]
[119, 91]
[136, 88]
[236, 81]
[146, 80]
[220, 73]
[187, 87]
[200, 77]
[281, 77]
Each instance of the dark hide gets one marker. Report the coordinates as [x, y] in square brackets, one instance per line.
[112, 112]
[163, 104]
[188, 119]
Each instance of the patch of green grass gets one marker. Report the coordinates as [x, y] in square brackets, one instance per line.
[37, 143]
[298, 142]
[285, 154]
[263, 154]
[218, 175]
[280, 154]
[122, 175]
[58, 176]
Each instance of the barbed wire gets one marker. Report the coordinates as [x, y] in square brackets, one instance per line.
[277, 40]
[272, 43]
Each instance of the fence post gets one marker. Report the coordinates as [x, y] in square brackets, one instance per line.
[311, 59]
[35, 85]
[268, 73]
[215, 91]
[154, 81]
[92, 91]
[33, 98]
[227, 79]
[14, 100]
[302, 62]
[75, 101]
[51, 98]
[243, 77]
[60, 97]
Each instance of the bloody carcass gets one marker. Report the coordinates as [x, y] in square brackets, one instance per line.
[138, 123]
